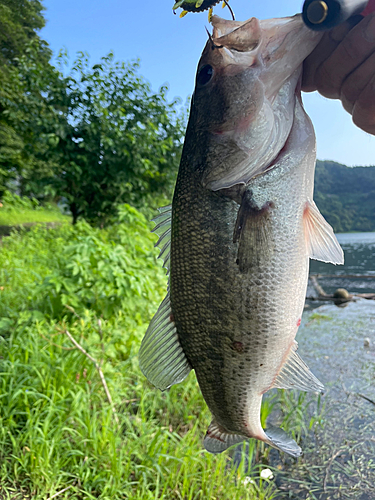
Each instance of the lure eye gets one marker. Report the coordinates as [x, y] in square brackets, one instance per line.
[205, 74]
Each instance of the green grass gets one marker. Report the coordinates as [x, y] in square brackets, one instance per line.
[16, 210]
[57, 428]
[24, 216]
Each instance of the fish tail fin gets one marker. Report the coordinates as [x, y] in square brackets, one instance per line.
[279, 439]
[218, 439]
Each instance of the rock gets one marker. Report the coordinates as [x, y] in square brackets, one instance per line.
[341, 293]
[366, 342]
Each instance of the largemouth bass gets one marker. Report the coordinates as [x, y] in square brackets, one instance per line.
[241, 230]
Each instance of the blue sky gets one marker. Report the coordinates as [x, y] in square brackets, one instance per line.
[169, 50]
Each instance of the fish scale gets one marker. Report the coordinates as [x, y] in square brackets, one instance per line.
[243, 228]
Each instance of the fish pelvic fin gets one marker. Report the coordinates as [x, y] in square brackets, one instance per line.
[295, 374]
[321, 242]
[218, 439]
[279, 439]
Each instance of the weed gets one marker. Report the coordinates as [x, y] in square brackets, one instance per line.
[57, 430]
[319, 317]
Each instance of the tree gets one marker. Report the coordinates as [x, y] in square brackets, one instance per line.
[31, 96]
[96, 138]
[122, 142]
[19, 22]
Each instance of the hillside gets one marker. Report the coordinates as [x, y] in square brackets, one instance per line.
[346, 196]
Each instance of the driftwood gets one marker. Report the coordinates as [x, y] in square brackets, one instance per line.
[341, 295]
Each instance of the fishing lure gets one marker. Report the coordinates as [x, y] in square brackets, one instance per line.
[199, 6]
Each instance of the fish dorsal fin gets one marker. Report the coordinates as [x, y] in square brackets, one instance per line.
[163, 229]
[218, 440]
[295, 374]
[321, 243]
[161, 357]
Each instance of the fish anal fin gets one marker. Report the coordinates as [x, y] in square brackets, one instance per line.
[295, 374]
[252, 232]
[279, 439]
[218, 439]
[321, 242]
[161, 357]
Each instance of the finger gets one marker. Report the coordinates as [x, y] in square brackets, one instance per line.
[356, 82]
[355, 48]
[324, 49]
[364, 108]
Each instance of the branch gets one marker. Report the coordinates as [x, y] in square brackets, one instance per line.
[361, 276]
[317, 287]
[97, 366]
[60, 492]
[101, 340]
[330, 462]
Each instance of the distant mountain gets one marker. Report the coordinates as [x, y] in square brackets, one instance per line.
[346, 196]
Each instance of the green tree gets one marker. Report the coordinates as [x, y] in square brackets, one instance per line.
[122, 141]
[31, 95]
[19, 22]
[346, 196]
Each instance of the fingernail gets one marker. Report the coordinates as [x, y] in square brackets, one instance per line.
[369, 31]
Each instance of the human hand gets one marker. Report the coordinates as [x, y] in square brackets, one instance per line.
[343, 67]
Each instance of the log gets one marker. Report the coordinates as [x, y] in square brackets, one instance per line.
[341, 295]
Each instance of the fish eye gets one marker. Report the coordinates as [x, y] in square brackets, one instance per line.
[205, 74]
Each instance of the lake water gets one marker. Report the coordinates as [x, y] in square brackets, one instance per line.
[338, 344]
[359, 250]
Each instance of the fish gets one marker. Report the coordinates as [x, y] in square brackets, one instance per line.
[240, 232]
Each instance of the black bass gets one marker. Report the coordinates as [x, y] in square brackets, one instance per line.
[241, 230]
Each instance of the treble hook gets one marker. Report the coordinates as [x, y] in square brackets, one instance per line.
[230, 9]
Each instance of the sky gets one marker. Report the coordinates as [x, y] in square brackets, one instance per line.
[169, 49]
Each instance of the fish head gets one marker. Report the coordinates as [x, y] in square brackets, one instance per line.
[226, 72]
[246, 85]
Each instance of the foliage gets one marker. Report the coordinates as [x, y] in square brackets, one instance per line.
[56, 425]
[57, 430]
[105, 271]
[19, 21]
[96, 138]
[83, 267]
[346, 196]
[121, 142]
[31, 96]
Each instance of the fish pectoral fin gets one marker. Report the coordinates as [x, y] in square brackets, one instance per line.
[295, 374]
[280, 440]
[161, 357]
[252, 233]
[218, 439]
[321, 242]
